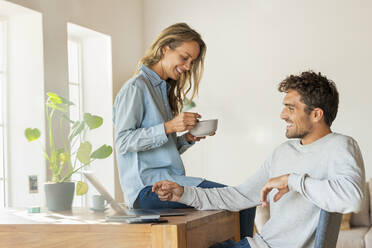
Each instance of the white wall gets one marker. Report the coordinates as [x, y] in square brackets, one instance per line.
[252, 46]
[122, 20]
[25, 101]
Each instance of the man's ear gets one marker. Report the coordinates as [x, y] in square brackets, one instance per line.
[317, 114]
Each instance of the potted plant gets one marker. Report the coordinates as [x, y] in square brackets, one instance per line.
[60, 191]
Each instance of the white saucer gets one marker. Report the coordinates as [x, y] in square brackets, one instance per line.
[98, 210]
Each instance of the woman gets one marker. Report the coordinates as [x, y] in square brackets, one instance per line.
[148, 114]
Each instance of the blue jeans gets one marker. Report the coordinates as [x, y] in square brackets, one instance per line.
[231, 244]
[148, 200]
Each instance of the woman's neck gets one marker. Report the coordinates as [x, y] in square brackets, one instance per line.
[158, 68]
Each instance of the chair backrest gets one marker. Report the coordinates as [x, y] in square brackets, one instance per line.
[327, 230]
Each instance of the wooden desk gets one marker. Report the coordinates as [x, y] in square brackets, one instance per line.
[84, 228]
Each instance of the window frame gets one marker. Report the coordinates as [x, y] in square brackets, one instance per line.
[79, 84]
[78, 42]
[3, 112]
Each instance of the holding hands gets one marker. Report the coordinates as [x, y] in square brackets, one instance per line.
[168, 191]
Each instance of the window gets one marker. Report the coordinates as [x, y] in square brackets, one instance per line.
[2, 111]
[22, 94]
[90, 86]
[74, 79]
[75, 93]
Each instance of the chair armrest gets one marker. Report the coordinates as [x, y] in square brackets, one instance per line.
[327, 230]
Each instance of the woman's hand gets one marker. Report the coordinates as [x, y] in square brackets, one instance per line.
[189, 137]
[182, 122]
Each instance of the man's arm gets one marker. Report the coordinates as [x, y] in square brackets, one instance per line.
[236, 198]
[342, 192]
[344, 189]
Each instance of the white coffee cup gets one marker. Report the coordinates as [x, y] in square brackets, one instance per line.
[98, 202]
[205, 127]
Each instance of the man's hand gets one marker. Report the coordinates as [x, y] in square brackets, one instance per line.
[168, 191]
[280, 183]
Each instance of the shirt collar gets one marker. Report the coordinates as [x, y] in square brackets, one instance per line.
[316, 144]
[154, 78]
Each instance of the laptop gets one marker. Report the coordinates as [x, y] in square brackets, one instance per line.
[129, 213]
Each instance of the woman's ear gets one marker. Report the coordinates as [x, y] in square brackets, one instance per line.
[317, 114]
[164, 49]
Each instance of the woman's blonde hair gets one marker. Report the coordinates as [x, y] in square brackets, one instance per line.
[173, 36]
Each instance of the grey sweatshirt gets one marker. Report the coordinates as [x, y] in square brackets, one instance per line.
[326, 174]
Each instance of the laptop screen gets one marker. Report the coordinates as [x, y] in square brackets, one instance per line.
[94, 181]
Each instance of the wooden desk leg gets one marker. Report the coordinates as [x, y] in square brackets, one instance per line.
[168, 236]
[236, 227]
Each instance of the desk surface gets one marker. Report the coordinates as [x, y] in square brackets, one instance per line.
[84, 228]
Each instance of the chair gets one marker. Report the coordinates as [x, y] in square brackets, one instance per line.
[325, 236]
[327, 230]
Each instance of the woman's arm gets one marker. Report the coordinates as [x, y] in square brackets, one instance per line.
[129, 109]
[183, 144]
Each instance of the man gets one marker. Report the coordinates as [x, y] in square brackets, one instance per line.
[318, 169]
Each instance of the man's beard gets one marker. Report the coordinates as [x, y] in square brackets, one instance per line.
[297, 135]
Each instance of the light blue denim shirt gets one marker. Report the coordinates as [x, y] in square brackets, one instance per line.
[145, 154]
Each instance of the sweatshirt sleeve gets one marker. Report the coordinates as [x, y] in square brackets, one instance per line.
[343, 190]
[230, 198]
[129, 109]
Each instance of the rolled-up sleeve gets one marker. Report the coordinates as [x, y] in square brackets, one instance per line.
[128, 114]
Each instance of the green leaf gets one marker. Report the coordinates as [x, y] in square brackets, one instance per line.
[57, 102]
[187, 104]
[81, 188]
[32, 134]
[83, 152]
[60, 151]
[64, 157]
[78, 128]
[67, 102]
[76, 123]
[59, 107]
[102, 152]
[56, 99]
[93, 121]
